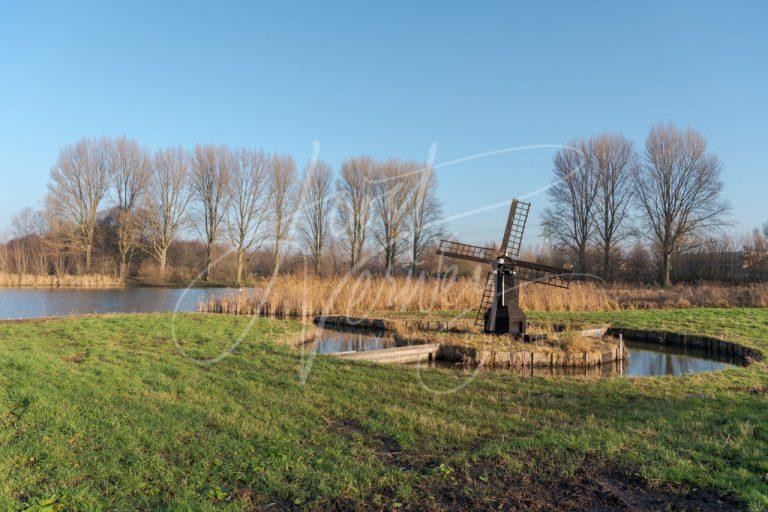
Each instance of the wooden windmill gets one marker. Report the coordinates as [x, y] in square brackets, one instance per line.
[499, 311]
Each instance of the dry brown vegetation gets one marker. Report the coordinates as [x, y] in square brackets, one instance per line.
[67, 280]
[554, 342]
[297, 296]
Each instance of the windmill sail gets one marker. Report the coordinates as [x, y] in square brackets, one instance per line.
[513, 232]
[540, 273]
[465, 251]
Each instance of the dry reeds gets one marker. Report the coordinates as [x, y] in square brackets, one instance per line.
[67, 280]
[365, 296]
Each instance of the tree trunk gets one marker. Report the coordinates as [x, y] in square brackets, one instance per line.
[277, 255]
[123, 267]
[240, 265]
[208, 263]
[583, 260]
[666, 275]
[607, 263]
[163, 258]
[88, 257]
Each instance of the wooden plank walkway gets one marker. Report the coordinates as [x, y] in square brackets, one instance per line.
[407, 354]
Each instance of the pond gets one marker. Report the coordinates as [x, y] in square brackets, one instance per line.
[645, 359]
[18, 303]
[338, 340]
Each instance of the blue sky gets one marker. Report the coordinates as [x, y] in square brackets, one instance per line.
[387, 80]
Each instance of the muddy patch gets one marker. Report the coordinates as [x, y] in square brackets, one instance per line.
[75, 358]
[592, 487]
[386, 448]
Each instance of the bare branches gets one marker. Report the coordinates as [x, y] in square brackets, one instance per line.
[130, 170]
[209, 182]
[283, 200]
[615, 162]
[354, 192]
[570, 220]
[678, 190]
[424, 214]
[248, 190]
[392, 192]
[315, 209]
[167, 199]
[79, 183]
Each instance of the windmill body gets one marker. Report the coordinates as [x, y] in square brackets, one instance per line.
[499, 311]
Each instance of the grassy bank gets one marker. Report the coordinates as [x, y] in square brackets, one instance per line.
[104, 413]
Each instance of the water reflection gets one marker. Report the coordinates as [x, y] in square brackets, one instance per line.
[645, 359]
[17, 303]
[337, 340]
[649, 359]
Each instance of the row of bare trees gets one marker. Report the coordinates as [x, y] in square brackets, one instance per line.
[242, 199]
[605, 192]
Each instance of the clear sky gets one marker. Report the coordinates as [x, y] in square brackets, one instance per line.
[387, 79]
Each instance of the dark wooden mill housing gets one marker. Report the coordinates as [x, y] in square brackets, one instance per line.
[499, 311]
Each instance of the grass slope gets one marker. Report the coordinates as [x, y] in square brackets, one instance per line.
[103, 413]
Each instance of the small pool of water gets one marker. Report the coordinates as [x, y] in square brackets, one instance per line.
[334, 341]
[645, 359]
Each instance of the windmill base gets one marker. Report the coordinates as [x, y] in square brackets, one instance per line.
[506, 323]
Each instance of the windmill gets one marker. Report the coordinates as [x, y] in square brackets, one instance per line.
[499, 311]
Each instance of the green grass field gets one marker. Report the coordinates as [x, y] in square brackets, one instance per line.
[102, 413]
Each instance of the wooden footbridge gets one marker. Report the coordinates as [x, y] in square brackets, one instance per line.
[405, 354]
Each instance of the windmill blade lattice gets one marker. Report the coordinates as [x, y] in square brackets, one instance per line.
[540, 273]
[513, 233]
[462, 251]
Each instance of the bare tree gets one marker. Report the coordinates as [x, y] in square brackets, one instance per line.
[424, 214]
[678, 190]
[615, 161]
[282, 200]
[79, 183]
[25, 223]
[210, 178]
[130, 170]
[354, 194]
[248, 189]
[569, 222]
[167, 199]
[315, 209]
[26, 247]
[765, 229]
[56, 235]
[391, 199]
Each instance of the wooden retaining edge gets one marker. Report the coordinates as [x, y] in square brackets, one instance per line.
[744, 354]
[530, 358]
[457, 353]
[522, 358]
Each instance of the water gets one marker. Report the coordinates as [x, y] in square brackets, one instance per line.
[648, 359]
[334, 341]
[17, 303]
[645, 359]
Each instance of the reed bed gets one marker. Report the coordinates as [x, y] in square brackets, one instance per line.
[52, 281]
[298, 296]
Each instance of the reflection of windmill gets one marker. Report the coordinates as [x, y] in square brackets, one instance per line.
[499, 310]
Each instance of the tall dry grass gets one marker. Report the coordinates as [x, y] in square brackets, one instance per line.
[74, 281]
[296, 296]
